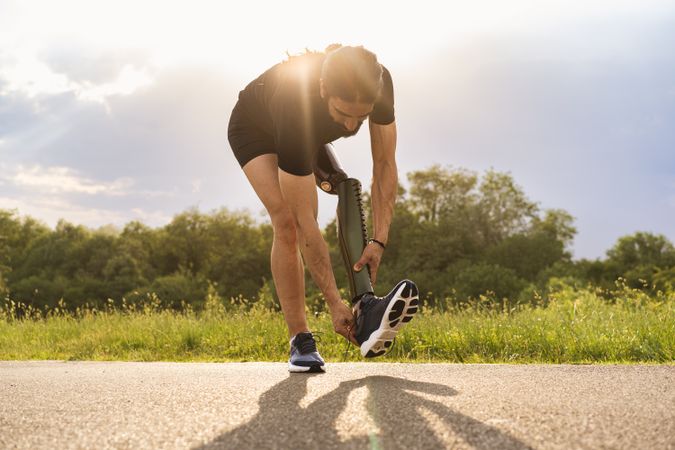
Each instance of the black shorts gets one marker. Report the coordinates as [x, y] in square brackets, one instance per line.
[246, 139]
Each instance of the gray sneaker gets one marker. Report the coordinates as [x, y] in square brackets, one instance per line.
[379, 319]
[304, 355]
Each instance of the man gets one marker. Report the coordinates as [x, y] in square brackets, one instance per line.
[279, 131]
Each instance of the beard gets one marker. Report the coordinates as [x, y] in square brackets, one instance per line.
[347, 133]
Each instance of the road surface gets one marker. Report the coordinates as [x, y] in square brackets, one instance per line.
[53, 404]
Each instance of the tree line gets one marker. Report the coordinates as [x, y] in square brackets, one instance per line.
[457, 234]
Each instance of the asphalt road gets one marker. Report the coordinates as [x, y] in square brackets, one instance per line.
[51, 404]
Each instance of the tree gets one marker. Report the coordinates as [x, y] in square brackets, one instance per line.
[451, 220]
[141, 244]
[527, 254]
[438, 193]
[641, 256]
[483, 278]
[185, 242]
[558, 224]
[504, 208]
[16, 234]
[642, 249]
[238, 256]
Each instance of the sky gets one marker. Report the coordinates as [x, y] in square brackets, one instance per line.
[118, 111]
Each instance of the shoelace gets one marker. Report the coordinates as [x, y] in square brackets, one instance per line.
[364, 307]
[348, 346]
[306, 342]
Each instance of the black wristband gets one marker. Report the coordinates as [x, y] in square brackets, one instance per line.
[381, 244]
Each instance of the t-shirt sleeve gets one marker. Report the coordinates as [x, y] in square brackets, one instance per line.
[294, 139]
[383, 110]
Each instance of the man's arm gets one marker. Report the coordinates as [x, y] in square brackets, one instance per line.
[385, 177]
[383, 192]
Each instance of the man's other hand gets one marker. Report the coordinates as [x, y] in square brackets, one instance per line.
[343, 321]
[372, 255]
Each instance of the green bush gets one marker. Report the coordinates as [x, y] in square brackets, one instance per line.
[484, 278]
[174, 290]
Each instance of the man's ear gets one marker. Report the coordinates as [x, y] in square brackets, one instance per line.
[322, 88]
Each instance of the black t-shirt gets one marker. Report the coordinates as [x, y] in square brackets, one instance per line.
[285, 103]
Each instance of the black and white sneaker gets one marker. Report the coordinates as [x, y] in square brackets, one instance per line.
[379, 319]
[304, 355]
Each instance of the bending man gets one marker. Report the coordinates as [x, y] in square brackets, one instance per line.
[279, 131]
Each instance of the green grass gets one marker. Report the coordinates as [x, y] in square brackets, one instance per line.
[574, 326]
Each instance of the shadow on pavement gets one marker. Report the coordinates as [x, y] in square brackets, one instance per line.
[392, 405]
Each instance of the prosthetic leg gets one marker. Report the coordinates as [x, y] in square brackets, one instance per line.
[377, 319]
[352, 233]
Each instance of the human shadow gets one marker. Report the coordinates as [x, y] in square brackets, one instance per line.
[392, 404]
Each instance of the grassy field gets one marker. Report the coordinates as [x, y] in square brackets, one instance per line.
[568, 326]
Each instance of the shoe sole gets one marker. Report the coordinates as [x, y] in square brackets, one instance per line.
[306, 369]
[400, 310]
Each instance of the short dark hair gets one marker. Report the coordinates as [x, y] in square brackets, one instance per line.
[352, 74]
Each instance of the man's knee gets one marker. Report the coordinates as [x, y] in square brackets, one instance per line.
[284, 225]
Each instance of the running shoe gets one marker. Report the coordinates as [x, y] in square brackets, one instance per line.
[304, 355]
[379, 319]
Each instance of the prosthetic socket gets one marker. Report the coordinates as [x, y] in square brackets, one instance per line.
[352, 234]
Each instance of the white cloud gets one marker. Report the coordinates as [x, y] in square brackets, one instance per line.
[29, 76]
[128, 81]
[63, 180]
[51, 209]
[53, 193]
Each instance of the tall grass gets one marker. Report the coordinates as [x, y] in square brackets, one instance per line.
[567, 326]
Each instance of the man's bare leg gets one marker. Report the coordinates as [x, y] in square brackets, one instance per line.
[287, 267]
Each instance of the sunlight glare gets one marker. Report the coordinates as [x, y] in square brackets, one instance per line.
[244, 38]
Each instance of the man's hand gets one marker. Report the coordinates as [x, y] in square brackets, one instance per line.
[372, 255]
[343, 321]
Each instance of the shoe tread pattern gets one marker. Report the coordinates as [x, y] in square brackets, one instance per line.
[400, 313]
